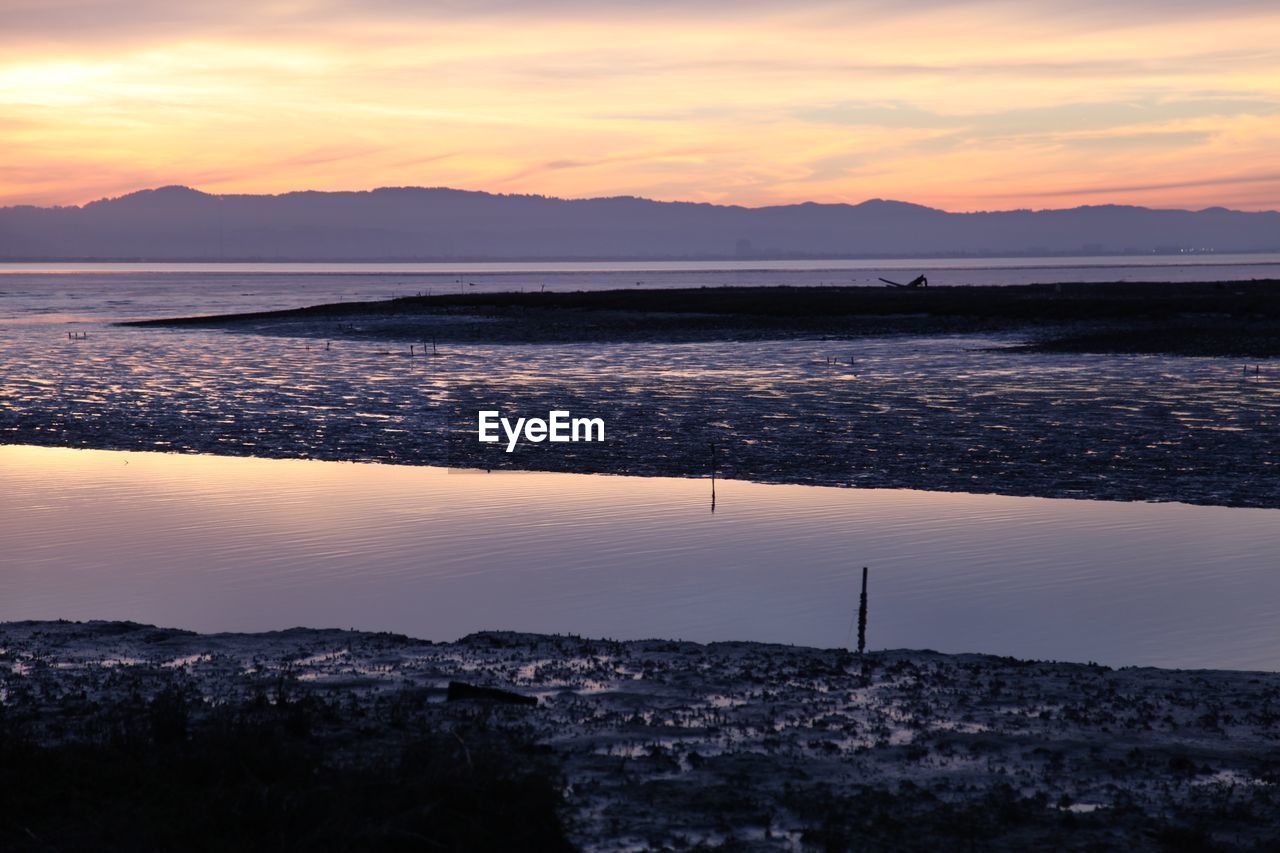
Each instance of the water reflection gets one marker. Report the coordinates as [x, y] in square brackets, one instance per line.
[245, 544]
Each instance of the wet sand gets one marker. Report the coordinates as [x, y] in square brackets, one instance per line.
[667, 743]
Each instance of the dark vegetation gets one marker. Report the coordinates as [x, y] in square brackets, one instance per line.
[117, 736]
[1201, 318]
[274, 772]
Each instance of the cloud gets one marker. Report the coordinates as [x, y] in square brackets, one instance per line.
[1256, 179]
[757, 102]
[1089, 115]
[133, 20]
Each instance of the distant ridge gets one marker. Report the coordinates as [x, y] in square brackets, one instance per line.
[415, 223]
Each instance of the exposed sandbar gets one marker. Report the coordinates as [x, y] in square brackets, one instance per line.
[1203, 318]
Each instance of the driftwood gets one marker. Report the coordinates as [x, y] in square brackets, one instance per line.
[462, 692]
[918, 281]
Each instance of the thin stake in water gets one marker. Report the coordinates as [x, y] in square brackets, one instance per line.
[713, 476]
[862, 614]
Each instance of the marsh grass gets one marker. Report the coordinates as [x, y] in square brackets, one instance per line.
[269, 773]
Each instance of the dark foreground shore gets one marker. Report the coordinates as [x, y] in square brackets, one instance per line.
[1239, 319]
[119, 736]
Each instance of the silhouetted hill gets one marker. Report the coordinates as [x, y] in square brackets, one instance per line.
[412, 223]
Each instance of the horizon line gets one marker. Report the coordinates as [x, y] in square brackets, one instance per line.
[630, 197]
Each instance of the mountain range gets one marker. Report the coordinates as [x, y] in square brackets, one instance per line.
[414, 223]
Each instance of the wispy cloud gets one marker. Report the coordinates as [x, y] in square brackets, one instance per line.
[1254, 179]
[945, 103]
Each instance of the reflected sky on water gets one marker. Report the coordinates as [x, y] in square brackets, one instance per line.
[212, 543]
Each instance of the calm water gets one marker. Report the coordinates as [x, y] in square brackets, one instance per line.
[61, 292]
[246, 544]
[219, 543]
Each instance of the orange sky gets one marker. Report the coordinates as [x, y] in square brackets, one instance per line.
[963, 106]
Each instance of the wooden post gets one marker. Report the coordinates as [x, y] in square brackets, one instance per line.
[862, 614]
[713, 476]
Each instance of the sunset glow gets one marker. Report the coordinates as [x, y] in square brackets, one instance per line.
[959, 106]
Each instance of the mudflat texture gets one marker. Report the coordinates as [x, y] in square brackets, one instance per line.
[662, 743]
[956, 412]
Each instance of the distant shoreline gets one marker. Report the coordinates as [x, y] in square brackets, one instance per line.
[1222, 319]
[568, 264]
[421, 222]
[644, 259]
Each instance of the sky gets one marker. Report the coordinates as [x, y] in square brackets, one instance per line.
[957, 105]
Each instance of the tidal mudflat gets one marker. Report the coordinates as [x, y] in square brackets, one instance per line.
[1206, 318]
[970, 413]
[660, 744]
[983, 455]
